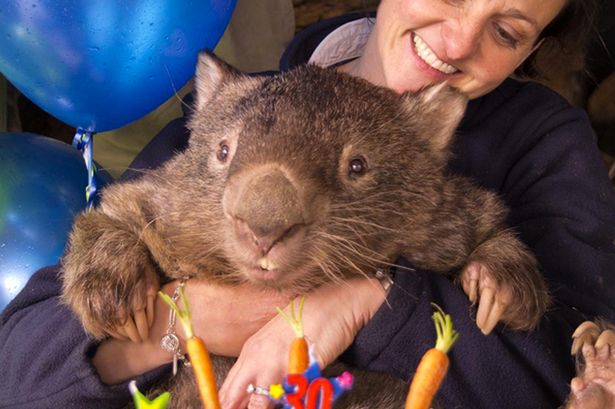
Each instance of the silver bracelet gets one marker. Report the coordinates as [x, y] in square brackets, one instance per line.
[386, 281]
[169, 341]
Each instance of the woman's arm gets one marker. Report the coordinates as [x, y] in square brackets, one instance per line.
[45, 354]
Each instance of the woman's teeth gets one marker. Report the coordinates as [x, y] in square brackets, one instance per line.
[426, 54]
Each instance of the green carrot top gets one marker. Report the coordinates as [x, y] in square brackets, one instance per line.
[445, 333]
[184, 315]
[295, 321]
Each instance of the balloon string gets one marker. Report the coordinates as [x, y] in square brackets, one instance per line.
[84, 142]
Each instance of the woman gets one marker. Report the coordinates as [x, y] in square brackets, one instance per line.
[509, 142]
[518, 139]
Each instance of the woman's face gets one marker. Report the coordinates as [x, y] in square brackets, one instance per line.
[473, 44]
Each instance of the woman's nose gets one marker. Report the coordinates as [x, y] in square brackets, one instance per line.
[461, 39]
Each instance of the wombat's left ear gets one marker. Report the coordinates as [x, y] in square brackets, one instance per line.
[211, 73]
[439, 109]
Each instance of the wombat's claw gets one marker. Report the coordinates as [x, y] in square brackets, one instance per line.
[469, 281]
[490, 311]
[136, 327]
[493, 300]
[115, 334]
[586, 333]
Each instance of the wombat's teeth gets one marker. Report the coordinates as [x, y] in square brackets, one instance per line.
[265, 264]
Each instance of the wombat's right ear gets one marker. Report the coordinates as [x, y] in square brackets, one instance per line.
[211, 74]
[439, 109]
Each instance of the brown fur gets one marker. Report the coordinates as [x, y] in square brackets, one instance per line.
[286, 192]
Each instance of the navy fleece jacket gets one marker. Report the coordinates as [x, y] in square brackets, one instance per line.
[523, 142]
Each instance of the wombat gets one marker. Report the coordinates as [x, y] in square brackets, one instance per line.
[291, 181]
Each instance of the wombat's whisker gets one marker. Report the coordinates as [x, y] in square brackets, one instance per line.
[398, 266]
[354, 231]
[207, 248]
[325, 253]
[330, 269]
[189, 108]
[348, 259]
[210, 251]
[148, 172]
[335, 252]
[335, 241]
[352, 264]
[338, 251]
[152, 221]
[362, 251]
[230, 278]
[349, 221]
[375, 197]
[380, 201]
[383, 197]
[370, 210]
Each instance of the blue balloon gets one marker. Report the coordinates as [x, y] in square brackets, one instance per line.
[100, 64]
[42, 188]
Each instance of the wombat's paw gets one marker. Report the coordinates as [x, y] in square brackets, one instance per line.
[137, 318]
[493, 299]
[594, 385]
[123, 310]
[513, 302]
[108, 277]
[503, 277]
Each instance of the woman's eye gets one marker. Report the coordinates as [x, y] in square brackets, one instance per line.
[505, 36]
[223, 152]
[357, 166]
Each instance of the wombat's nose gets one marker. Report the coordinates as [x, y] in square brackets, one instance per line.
[264, 238]
[266, 208]
[268, 238]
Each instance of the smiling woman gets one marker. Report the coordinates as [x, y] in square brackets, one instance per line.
[473, 45]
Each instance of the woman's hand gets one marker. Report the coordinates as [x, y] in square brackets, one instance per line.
[223, 316]
[332, 316]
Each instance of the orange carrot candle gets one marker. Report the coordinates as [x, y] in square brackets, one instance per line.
[299, 357]
[433, 365]
[198, 354]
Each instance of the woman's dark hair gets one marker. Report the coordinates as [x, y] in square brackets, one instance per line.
[568, 33]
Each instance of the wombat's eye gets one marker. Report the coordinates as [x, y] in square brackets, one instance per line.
[223, 152]
[357, 166]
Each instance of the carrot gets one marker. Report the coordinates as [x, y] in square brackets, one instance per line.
[203, 372]
[198, 354]
[299, 357]
[298, 360]
[434, 364]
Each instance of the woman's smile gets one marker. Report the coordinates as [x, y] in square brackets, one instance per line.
[426, 55]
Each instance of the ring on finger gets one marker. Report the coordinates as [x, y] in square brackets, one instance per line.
[257, 390]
